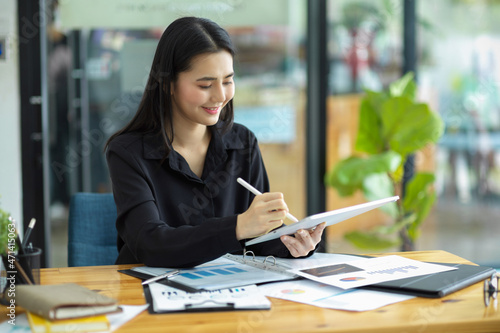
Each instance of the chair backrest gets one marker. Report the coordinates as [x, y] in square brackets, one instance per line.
[91, 230]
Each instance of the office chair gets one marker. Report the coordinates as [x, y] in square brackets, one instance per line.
[91, 230]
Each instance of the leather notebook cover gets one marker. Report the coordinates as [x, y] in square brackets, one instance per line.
[439, 284]
[63, 301]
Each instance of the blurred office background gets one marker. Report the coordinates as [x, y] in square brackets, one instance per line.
[94, 58]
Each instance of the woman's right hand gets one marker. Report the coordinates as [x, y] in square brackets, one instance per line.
[267, 212]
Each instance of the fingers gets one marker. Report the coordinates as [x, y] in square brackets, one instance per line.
[294, 246]
[273, 225]
[271, 207]
[273, 202]
[266, 213]
[301, 244]
[317, 232]
[304, 241]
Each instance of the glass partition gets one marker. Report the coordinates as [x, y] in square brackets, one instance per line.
[459, 74]
[365, 52]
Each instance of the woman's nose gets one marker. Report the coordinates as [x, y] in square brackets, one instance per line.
[218, 93]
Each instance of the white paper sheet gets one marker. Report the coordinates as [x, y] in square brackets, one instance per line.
[362, 272]
[325, 296]
[129, 311]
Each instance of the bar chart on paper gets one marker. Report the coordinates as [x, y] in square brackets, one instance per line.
[215, 272]
[218, 274]
[394, 270]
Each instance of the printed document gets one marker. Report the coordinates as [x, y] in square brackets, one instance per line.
[325, 296]
[362, 272]
[219, 274]
[168, 299]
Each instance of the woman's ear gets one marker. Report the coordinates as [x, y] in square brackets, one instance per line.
[172, 85]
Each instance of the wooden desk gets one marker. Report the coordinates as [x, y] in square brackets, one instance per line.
[462, 311]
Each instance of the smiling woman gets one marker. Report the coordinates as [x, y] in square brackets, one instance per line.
[174, 166]
[198, 97]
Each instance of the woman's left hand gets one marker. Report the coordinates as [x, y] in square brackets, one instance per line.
[304, 241]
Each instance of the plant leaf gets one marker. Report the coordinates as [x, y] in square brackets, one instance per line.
[337, 178]
[409, 127]
[423, 211]
[376, 99]
[393, 111]
[348, 174]
[344, 190]
[417, 189]
[4, 231]
[405, 86]
[378, 186]
[419, 199]
[369, 240]
[390, 229]
[369, 139]
[397, 175]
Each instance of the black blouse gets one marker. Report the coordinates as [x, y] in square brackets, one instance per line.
[170, 217]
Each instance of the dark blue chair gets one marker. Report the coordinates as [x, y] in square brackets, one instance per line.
[91, 230]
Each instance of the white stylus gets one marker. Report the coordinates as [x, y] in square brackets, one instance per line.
[257, 192]
[162, 276]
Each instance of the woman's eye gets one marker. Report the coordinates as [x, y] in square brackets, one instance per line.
[227, 83]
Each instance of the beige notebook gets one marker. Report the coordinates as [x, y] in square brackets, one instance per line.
[63, 301]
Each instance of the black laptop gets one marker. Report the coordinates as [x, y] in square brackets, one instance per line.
[438, 284]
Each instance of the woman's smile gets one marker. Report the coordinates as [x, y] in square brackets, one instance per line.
[211, 110]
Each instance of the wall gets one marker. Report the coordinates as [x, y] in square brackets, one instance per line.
[10, 130]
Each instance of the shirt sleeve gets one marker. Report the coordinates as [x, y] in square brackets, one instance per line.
[259, 179]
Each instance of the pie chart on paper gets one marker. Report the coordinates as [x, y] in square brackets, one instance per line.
[292, 291]
[352, 279]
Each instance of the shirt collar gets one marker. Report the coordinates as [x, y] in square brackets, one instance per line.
[155, 150]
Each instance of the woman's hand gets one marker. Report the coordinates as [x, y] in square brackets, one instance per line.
[266, 213]
[304, 241]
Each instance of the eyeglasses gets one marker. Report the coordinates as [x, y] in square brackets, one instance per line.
[490, 289]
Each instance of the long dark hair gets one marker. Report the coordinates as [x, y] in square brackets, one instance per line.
[182, 40]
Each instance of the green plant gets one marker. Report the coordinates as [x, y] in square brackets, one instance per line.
[392, 126]
[5, 224]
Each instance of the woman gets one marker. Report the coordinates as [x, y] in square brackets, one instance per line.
[174, 166]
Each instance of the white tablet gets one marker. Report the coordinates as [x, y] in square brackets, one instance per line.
[331, 217]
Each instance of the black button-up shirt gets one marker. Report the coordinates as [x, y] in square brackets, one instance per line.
[170, 217]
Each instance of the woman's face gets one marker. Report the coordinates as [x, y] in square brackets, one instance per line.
[200, 93]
